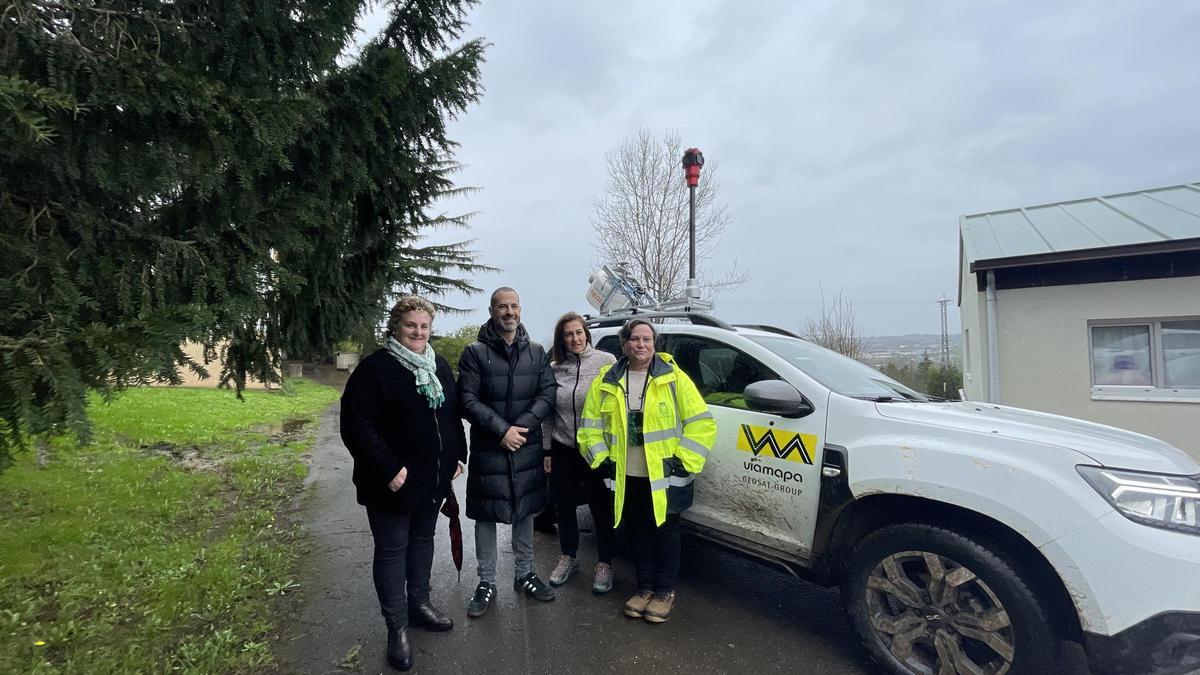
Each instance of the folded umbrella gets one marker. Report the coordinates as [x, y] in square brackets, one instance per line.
[450, 510]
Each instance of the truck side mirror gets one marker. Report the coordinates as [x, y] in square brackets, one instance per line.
[776, 397]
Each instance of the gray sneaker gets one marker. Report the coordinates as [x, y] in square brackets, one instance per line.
[602, 583]
[563, 570]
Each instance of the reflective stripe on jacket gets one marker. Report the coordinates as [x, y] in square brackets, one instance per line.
[678, 432]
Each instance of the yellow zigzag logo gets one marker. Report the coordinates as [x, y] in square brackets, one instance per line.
[754, 439]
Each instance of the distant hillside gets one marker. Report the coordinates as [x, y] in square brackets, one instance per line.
[901, 348]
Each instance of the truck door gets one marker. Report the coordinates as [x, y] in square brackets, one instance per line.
[762, 479]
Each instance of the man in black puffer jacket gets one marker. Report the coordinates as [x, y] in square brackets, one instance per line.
[505, 390]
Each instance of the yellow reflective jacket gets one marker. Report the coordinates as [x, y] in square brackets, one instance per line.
[678, 432]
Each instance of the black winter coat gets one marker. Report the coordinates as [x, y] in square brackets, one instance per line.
[496, 393]
[387, 424]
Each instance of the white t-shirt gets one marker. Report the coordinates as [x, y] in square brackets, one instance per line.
[635, 455]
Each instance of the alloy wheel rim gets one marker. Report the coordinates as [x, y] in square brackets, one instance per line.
[937, 617]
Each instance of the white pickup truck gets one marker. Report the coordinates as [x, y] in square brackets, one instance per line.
[966, 537]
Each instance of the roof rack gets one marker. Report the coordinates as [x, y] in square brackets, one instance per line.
[620, 317]
[768, 329]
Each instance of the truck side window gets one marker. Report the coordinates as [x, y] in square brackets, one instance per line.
[610, 344]
[720, 372]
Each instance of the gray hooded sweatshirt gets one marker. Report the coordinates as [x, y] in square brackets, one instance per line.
[573, 377]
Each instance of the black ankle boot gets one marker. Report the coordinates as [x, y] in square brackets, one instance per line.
[399, 653]
[426, 616]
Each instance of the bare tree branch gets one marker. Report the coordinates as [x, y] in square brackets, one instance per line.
[642, 217]
[835, 328]
[732, 279]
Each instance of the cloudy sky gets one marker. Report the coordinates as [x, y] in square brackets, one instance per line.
[850, 136]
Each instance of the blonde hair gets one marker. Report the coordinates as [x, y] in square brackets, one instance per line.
[406, 304]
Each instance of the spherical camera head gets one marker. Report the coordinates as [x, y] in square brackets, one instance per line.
[693, 160]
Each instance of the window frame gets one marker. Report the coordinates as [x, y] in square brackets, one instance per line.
[1157, 391]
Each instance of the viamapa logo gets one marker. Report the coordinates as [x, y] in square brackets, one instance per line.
[785, 445]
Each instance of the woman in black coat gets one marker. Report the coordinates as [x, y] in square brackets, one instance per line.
[400, 423]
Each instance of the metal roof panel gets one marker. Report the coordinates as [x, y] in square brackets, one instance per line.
[1062, 231]
[1170, 221]
[1185, 198]
[1109, 224]
[981, 242]
[1015, 234]
[1158, 215]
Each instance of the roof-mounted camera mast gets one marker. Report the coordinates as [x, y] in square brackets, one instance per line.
[693, 161]
[614, 290]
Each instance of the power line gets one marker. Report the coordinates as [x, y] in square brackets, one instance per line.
[766, 303]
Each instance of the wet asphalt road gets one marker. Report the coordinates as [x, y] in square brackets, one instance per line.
[732, 614]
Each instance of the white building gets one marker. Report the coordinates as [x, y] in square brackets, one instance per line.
[1088, 308]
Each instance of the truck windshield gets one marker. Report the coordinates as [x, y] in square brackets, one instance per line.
[839, 373]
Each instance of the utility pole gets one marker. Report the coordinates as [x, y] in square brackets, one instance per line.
[945, 335]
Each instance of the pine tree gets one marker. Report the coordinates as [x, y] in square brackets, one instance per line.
[222, 171]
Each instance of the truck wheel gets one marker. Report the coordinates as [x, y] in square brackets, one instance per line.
[925, 599]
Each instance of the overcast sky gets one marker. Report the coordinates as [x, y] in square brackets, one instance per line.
[850, 136]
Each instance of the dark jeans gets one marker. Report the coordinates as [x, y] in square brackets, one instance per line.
[403, 560]
[655, 548]
[570, 475]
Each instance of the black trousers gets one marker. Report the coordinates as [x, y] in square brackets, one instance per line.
[570, 476]
[403, 559]
[655, 548]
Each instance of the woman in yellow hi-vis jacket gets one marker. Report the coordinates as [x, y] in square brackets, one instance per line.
[645, 422]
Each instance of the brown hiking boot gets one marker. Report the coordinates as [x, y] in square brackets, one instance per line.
[659, 608]
[636, 606]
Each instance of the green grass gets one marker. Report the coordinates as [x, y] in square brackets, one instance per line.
[123, 557]
[195, 416]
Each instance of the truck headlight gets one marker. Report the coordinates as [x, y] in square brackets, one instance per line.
[1155, 499]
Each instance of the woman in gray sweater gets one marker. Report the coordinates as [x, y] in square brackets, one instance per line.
[575, 364]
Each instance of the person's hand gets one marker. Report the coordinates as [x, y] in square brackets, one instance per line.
[514, 438]
[607, 469]
[458, 471]
[546, 463]
[398, 480]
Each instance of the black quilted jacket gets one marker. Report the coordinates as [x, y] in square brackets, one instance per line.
[495, 393]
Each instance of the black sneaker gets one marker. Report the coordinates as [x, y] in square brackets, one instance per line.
[534, 587]
[485, 594]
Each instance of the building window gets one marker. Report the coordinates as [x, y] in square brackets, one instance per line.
[1181, 353]
[1121, 355]
[1150, 360]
